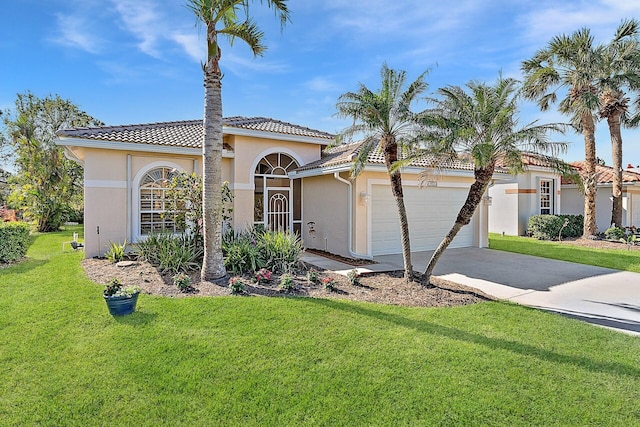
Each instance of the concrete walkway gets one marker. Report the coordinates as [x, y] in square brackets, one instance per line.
[601, 296]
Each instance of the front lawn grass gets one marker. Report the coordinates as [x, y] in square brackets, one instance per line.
[610, 258]
[295, 361]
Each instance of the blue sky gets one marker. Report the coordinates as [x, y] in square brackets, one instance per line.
[138, 61]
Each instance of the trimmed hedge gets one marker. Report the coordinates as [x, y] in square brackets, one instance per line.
[547, 227]
[15, 241]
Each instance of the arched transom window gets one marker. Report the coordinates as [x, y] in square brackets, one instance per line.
[277, 198]
[156, 215]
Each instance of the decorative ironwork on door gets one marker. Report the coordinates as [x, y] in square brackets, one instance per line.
[278, 211]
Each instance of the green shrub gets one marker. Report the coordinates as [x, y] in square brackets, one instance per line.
[15, 241]
[254, 249]
[236, 285]
[182, 281]
[241, 252]
[281, 251]
[286, 282]
[354, 277]
[116, 252]
[313, 276]
[615, 233]
[329, 283]
[549, 227]
[171, 253]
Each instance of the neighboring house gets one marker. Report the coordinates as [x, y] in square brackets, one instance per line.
[281, 178]
[573, 199]
[533, 192]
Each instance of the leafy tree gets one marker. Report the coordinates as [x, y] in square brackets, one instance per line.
[385, 120]
[481, 125]
[619, 72]
[185, 202]
[47, 185]
[571, 62]
[230, 19]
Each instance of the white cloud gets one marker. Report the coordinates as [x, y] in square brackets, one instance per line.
[139, 18]
[321, 84]
[194, 47]
[238, 64]
[551, 19]
[73, 31]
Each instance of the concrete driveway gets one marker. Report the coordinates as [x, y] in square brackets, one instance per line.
[597, 295]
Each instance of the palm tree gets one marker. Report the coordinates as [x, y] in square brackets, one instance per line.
[620, 71]
[480, 124]
[228, 18]
[570, 62]
[386, 122]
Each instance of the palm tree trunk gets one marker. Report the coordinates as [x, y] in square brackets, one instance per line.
[396, 188]
[613, 121]
[390, 148]
[590, 180]
[213, 261]
[479, 186]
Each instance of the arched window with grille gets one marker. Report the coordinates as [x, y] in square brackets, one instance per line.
[155, 214]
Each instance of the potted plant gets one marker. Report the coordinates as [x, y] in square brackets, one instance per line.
[121, 300]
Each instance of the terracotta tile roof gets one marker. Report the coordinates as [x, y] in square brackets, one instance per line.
[186, 133]
[530, 159]
[346, 153]
[605, 174]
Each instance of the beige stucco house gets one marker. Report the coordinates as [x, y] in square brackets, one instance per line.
[281, 176]
[573, 199]
[533, 192]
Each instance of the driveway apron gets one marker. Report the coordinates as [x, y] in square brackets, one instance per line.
[601, 296]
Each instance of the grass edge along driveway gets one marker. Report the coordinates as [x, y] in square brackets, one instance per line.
[622, 259]
[295, 361]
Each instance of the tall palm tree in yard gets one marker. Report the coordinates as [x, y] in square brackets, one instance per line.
[229, 19]
[571, 62]
[385, 120]
[480, 124]
[619, 72]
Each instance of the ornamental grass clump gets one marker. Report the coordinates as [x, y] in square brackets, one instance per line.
[116, 252]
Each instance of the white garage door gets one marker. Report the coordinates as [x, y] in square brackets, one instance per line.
[635, 209]
[431, 212]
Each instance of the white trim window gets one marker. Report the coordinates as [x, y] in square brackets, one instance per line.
[546, 196]
[154, 207]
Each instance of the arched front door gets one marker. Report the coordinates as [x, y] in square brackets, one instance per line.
[277, 198]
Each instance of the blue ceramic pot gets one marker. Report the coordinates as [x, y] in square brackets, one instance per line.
[120, 306]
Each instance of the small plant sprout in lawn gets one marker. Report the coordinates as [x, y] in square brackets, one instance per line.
[182, 281]
[286, 282]
[354, 277]
[313, 276]
[236, 285]
[328, 283]
[262, 276]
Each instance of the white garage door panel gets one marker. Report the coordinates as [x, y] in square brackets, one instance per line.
[431, 213]
[635, 209]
